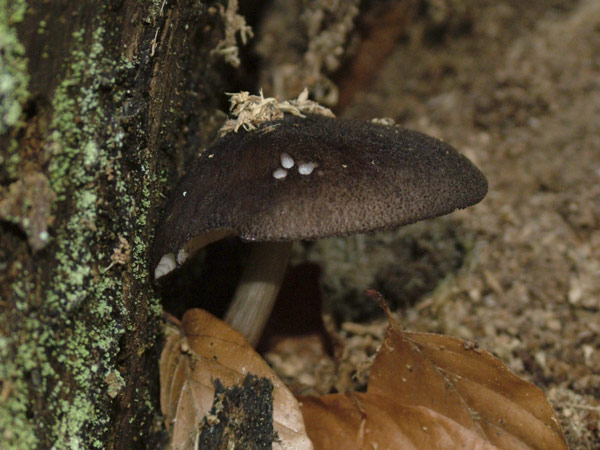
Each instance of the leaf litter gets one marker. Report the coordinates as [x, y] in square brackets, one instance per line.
[199, 352]
[425, 391]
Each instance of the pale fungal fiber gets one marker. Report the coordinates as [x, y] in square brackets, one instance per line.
[252, 110]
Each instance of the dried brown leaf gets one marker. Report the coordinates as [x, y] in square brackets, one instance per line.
[425, 391]
[429, 391]
[205, 349]
[357, 421]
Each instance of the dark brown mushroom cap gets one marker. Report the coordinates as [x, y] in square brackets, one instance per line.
[367, 177]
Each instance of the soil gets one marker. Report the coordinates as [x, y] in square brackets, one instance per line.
[516, 87]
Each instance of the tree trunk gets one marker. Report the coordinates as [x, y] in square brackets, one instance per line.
[101, 103]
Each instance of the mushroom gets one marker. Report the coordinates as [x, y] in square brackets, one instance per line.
[304, 179]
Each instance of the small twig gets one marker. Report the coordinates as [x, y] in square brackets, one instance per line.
[154, 42]
[585, 407]
[171, 319]
[376, 295]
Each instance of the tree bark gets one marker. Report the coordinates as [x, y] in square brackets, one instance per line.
[106, 102]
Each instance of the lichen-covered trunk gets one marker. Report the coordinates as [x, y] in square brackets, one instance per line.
[100, 104]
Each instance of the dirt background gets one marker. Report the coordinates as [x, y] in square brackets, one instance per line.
[516, 87]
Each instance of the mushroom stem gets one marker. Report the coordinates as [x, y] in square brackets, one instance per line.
[255, 295]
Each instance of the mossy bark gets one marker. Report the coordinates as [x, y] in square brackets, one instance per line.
[107, 101]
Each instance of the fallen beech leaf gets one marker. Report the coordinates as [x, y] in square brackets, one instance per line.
[429, 391]
[356, 420]
[202, 351]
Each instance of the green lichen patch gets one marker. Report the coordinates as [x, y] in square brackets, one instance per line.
[71, 320]
[13, 65]
[17, 431]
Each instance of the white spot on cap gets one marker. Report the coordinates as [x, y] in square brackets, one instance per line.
[165, 265]
[287, 162]
[306, 168]
[280, 174]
